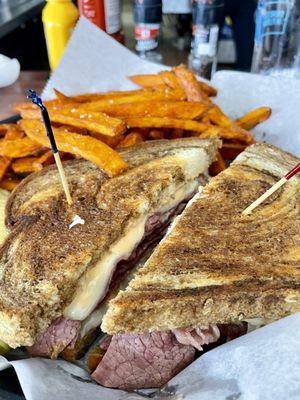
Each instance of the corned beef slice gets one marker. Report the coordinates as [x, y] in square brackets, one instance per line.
[56, 338]
[61, 333]
[150, 360]
[142, 361]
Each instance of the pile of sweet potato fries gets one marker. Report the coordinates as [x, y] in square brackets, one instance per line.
[170, 104]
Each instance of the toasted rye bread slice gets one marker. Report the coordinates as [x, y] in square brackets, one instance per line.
[35, 188]
[217, 266]
[42, 259]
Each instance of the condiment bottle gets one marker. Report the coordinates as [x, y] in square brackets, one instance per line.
[59, 18]
[147, 19]
[106, 14]
[207, 15]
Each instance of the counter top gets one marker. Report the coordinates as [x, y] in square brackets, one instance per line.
[16, 93]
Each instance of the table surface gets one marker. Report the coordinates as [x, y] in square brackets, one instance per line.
[15, 12]
[16, 93]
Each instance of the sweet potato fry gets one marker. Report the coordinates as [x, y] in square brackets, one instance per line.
[254, 117]
[144, 132]
[24, 108]
[4, 128]
[27, 165]
[155, 80]
[189, 84]
[172, 109]
[217, 166]
[131, 139]
[9, 183]
[156, 134]
[164, 95]
[4, 164]
[21, 107]
[207, 89]
[18, 148]
[90, 120]
[231, 150]
[30, 111]
[62, 97]
[177, 134]
[72, 129]
[170, 79]
[47, 158]
[14, 132]
[147, 80]
[155, 122]
[94, 357]
[81, 118]
[85, 146]
[217, 117]
[111, 141]
[227, 133]
[90, 97]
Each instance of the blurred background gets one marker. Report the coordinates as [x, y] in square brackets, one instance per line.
[22, 35]
[261, 36]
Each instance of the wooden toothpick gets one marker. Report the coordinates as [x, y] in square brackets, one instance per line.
[272, 189]
[38, 101]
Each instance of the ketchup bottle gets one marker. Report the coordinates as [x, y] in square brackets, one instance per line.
[106, 14]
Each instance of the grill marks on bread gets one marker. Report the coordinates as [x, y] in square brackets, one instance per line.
[212, 244]
[42, 260]
[216, 264]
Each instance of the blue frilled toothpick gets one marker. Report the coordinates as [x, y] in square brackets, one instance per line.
[38, 101]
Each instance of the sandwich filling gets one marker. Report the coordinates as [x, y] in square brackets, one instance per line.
[150, 360]
[88, 306]
[93, 286]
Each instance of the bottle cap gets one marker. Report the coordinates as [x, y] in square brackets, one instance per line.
[58, 1]
[207, 12]
[148, 11]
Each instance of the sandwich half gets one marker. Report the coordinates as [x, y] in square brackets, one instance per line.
[214, 270]
[53, 279]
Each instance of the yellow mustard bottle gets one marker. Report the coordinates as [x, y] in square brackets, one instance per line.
[59, 18]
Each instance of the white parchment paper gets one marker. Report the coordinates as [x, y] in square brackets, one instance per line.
[263, 365]
[240, 92]
[94, 62]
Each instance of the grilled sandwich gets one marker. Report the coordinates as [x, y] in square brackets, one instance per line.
[215, 271]
[54, 280]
